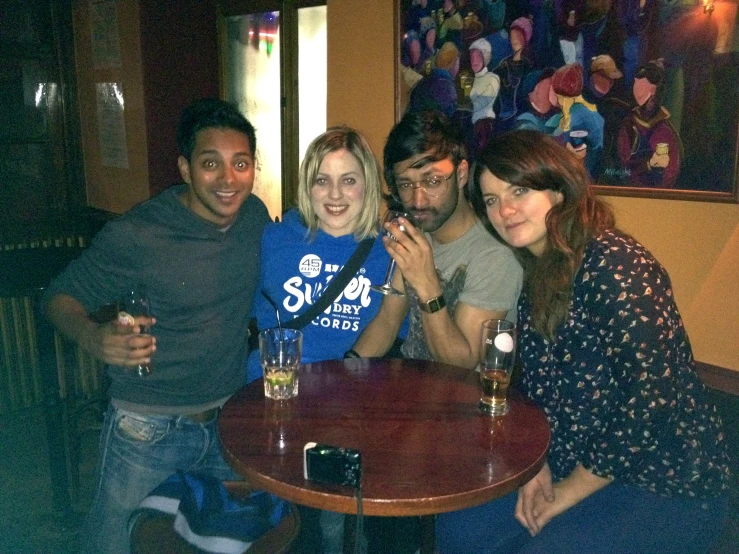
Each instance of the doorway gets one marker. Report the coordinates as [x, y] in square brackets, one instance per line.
[275, 71]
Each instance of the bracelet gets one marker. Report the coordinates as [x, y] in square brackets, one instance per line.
[351, 353]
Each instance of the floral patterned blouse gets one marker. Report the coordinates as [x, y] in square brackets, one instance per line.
[619, 384]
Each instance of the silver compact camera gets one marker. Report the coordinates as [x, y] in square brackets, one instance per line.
[333, 465]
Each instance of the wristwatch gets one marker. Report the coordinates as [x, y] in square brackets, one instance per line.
[433, 305]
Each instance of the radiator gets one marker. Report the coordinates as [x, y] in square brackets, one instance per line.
[29, 266]
[79, 375]
[20, 378]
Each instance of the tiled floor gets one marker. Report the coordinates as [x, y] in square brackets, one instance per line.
[28, 523]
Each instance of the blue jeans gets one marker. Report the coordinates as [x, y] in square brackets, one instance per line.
[137, 452]
[618, 519]
[332, 532]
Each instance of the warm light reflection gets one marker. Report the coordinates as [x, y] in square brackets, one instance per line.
[261, 105]
[254, 85]
[725, 17]
[263, 35]
[312, 75]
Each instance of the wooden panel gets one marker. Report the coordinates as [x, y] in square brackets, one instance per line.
[35, 165]
[719, 378]
[185, 35]
[111, 188]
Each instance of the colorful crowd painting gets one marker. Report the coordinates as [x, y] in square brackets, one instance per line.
[640, 90]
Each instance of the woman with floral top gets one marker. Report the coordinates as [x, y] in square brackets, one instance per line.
[637, 460]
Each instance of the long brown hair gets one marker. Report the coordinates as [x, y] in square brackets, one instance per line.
[536, 161]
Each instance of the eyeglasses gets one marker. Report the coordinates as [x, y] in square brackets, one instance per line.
[433, 187]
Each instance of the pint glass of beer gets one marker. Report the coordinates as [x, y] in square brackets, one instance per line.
[498, 354]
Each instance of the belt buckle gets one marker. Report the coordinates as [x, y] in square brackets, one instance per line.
[205, 417]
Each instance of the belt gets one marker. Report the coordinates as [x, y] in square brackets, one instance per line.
[206, 416]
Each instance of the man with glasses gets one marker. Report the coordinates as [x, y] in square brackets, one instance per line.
[454, 273]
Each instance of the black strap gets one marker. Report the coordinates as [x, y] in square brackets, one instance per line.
[337, 285]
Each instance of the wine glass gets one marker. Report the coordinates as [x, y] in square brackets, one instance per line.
[135, 303]
[391, 216]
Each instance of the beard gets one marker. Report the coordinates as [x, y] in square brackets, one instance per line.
[431, 218]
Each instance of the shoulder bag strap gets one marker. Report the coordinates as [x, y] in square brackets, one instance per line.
[334, 288]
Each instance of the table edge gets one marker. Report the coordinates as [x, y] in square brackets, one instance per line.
[346, 502]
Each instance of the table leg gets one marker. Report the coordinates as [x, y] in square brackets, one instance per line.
[310, 530]
[382, 538]
[350, 530]
[428, 534]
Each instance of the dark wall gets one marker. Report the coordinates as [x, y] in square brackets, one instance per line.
[40, 165]
[179, 49]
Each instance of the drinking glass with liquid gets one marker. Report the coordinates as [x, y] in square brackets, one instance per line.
[280, 351]
[135, 304]
[498, 354]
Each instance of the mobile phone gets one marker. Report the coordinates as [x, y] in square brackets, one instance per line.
[333, 465]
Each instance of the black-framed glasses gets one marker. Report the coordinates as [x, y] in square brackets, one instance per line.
[433, 186]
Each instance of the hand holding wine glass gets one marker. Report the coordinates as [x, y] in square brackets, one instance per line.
[391, 216]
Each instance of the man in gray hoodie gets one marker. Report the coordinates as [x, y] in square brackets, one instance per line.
[195, 248]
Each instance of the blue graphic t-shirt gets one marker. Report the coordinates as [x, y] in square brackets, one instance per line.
[295, 272]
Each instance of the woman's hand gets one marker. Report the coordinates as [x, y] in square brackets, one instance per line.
[539, 500]
[532, 498]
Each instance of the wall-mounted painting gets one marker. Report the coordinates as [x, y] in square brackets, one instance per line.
[645, 92]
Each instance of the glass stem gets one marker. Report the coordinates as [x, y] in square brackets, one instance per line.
[390, 273]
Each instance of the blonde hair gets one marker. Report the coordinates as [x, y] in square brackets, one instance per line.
[334, 139]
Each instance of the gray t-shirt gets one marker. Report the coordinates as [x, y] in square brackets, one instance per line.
[475, 269]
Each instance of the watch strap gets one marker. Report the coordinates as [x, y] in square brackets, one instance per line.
[433, 305]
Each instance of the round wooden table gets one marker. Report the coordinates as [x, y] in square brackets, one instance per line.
[426, 449]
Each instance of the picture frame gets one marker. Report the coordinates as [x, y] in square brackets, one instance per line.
[669, 106]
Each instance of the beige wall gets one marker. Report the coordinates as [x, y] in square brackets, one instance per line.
[361, 89]
[698, 242]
